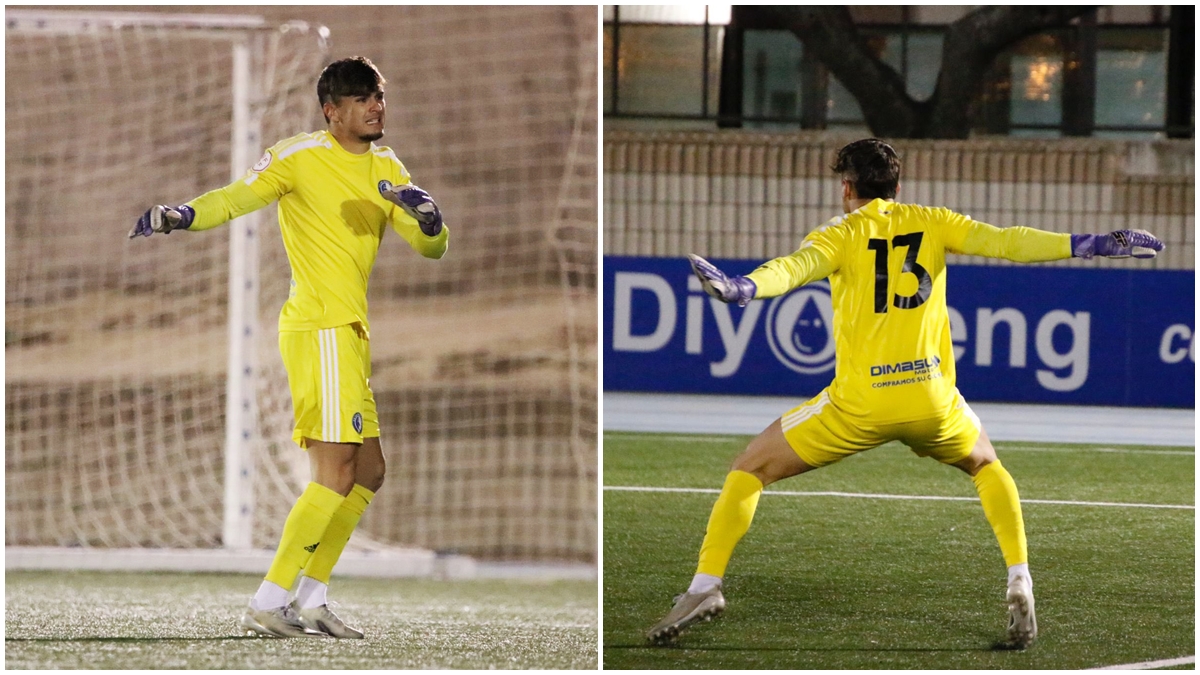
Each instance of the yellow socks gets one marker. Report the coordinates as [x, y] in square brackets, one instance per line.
[333, 542]
[730, 520]
[302, 533]
[1002, 506]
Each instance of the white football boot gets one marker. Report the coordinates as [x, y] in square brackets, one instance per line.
[323, 620]
[1022, 623]
[689, 608]
[280, 622]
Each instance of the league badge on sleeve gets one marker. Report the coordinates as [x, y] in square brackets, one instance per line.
[263, 162]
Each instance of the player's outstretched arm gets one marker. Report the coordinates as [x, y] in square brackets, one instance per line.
[208, 210]
[163, 219]
[1119, 244]
[716, 283]
[1027, 244]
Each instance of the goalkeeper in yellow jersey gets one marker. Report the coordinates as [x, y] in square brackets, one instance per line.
[894, 378]
[337, 192]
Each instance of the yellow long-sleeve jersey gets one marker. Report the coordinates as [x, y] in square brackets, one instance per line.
[886, 264]
[332, 219]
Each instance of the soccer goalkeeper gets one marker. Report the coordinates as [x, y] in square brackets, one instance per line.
[337, 191]
[886, 264]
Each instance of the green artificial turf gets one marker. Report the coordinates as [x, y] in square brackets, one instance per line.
[832, 582]
[190, 621]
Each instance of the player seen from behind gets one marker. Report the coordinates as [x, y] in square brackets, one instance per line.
[337, 191]
[894, 378]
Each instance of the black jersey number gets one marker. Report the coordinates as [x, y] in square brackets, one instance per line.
[912, 241]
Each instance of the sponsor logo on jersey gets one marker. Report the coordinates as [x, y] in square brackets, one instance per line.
[800, 329]
[357, 422]
[916, 366]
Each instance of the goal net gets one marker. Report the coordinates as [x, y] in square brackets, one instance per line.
[118, 391]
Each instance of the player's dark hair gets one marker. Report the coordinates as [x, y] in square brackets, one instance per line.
[871, 166]
[355, 76]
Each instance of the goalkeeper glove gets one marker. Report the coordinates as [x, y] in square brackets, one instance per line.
[724, 288]
[163, 219]
[416, 203]
[1119, 244]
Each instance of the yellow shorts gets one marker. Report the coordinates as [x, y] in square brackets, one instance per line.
[821, 433]
[329, 374]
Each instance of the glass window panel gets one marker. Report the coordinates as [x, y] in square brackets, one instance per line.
[676, 14]
[852, 129]
[771, 75]
[1127, 135]
[1035, 133]
[888, 47]
[659, 70]
[843, 108]
[606, 85]
[1036, 73]
[1131, 79]
[609, 14]
[716, 42]
[924, 64]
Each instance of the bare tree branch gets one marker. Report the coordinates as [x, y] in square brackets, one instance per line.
[829, 33]
[971, 44]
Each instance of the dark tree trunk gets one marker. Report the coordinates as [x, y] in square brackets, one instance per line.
[971, 44]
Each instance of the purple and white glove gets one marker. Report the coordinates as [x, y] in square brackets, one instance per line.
[416, 203]
[163, 219]
[724, 288]
[1119, 244]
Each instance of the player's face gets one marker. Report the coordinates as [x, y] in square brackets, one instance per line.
[362, 117]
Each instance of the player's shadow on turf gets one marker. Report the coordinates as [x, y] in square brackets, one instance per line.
[140, 639]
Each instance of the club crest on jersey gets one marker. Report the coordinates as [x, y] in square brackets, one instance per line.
[800, 329]
[263, 162]
[357, 422]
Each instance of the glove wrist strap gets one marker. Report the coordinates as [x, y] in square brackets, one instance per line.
[1083, 245]
[189, 215]
[744, 290]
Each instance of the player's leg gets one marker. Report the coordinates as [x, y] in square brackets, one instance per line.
[312, 601]
[961, 442]
[314, 369]
[807, 437]
[767, 459]
[1002, 507]
[333, 473]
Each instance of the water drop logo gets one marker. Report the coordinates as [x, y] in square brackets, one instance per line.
[800, 329]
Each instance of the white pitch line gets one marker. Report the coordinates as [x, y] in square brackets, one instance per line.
[1150, 665]
[866, 495]
[1120, 451]
[1004, 447]
[674, 438]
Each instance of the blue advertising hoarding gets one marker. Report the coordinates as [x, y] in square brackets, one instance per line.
[1024, 334]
